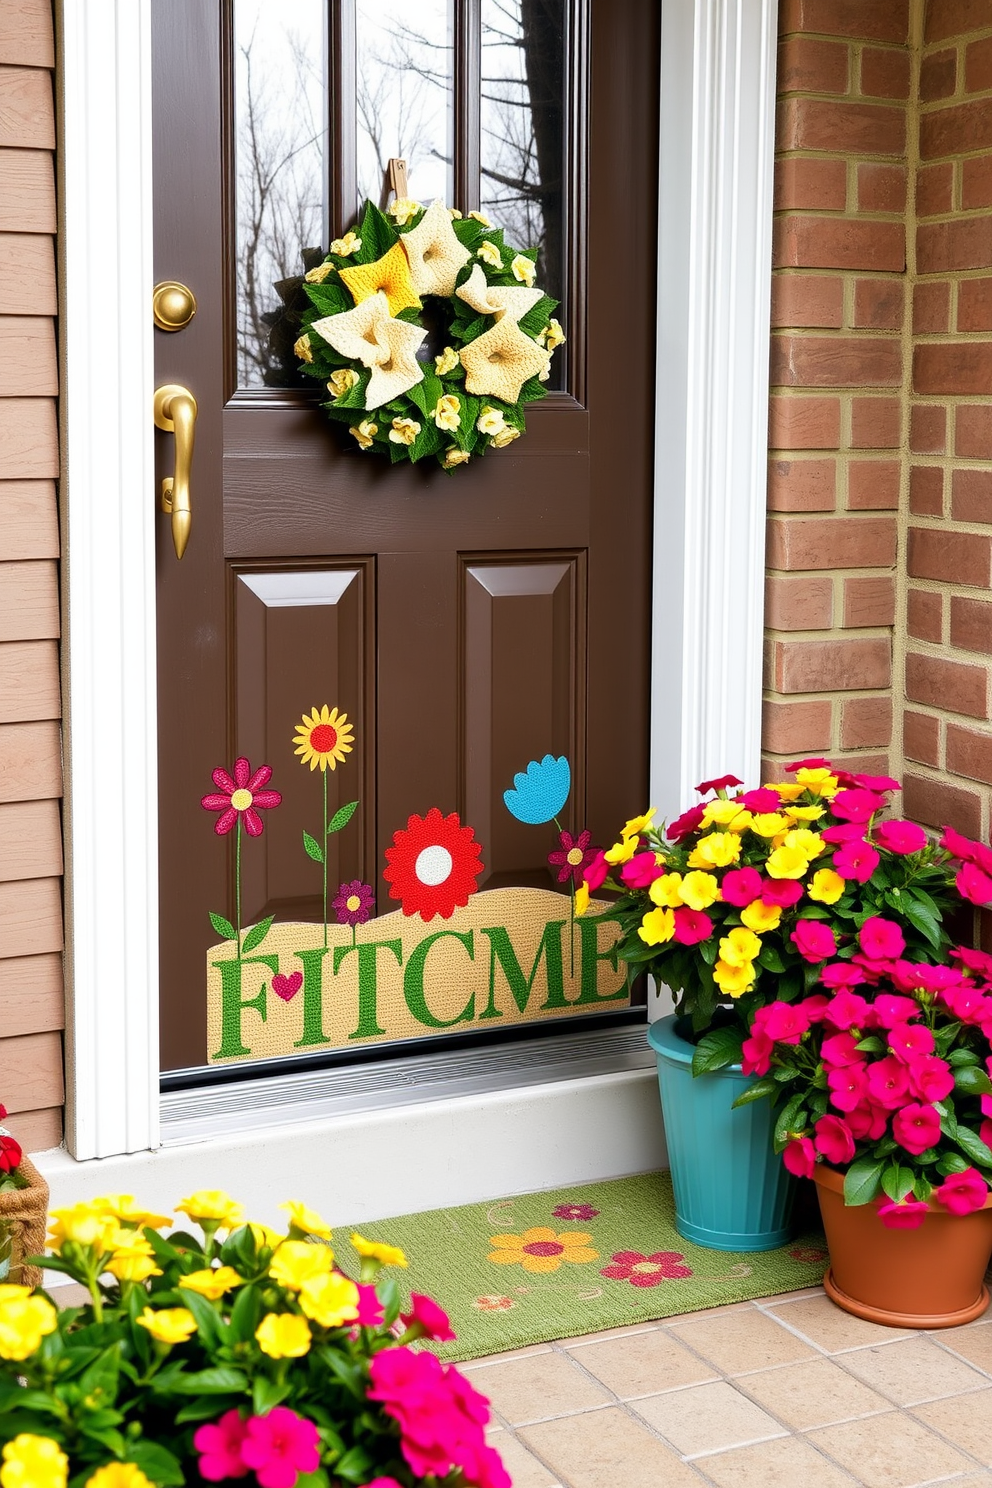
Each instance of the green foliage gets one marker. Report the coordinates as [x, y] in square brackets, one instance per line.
[313, 847]
[222, 925]
[342, 817]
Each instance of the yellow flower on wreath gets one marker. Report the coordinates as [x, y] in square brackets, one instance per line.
[33, 1462]
[491, 254]
[24, 1321]
[404, 431]
[324, 738]
[541, 1250]
[119, 1475]
[446, 362]
[364, 432]
[447, 411]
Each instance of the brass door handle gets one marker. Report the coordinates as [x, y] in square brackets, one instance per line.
[175, 411]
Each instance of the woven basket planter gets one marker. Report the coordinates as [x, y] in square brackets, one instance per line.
[24, 1213]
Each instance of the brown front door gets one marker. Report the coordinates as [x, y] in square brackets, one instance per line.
[468, 623]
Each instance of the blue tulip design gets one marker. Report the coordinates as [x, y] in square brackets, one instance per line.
[540, 792]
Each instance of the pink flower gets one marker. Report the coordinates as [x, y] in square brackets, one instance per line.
[848, 1086]
[813, 940]
[856, 860]
[596, 873]
[741, 886]
[888, 1010]
[800, 1157]
[876, 782]
[908, 1214]
[842, 974]
[760, 801]
[642, 870]
[880, 939]
[572, 856]
[916, 1127]
[427, 1319]
[931, 1078]
[692, 925]
[909, 1041]
[756, 1053]
[370, 1313]
[965, 850]
[219, 1445]
[974, 885]
[815, 1006]
[963, 1193]
[646, 1270]
[985, 1132]
[888, 1082]
[868, 1122]
[241, 796]
[808, 764]
[840, 1049]
[783, 891]
[856, 805]
[785, 1023]
[978, 961]
[846, 1009]
[280, 1446]
[686, 823]
[575, 1211]
[834, 1140]
[874, 970]
[353, 903]
[845, 832]
[717, 785]
[900, 837]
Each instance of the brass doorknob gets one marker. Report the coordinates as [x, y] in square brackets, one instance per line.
[175, 411]
[173, 305]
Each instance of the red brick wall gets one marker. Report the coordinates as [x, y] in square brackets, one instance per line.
[948, 613]
[837, 412]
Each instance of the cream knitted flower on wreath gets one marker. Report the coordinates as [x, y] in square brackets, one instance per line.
[434, 252]
[500, 361]
[369, 334]
[497, 299]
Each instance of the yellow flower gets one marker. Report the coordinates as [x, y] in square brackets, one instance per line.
[666, 890]
[301, 349]
[523, 269]
[297, 1261]
[490, 254]
[734, 980]
[302, 1218]
[119, 1475]
[389, 275]
[447, 412]
[581, 899]
[133, 1258]
[769, 823]
[123, 1208]
[699, 890]
[716, 850]
[787, 862]
[320, 273]
[212, 1284]
[804, 841]
[481, 217]
[402, 209]
[504, 437]
[364, 432]
[804, 813]
[553, 335]
[540, 1250]
[342, 381]
[34, 1462]
[454, 212]
[821, 782]
[455, 457]
[446, 362]
[346, 246]
[323, 739]
[86, 1224]
[264, 1236]
[826, 886]
[657, 926]
[283, 1335]
[213, 1205]
[637, 824]
[761, 917]
[387, 1255]
[721, 812]
[330, 1300]
[490, 421]
[621, 852]
[404, 431]
[169, 1325]
[786, 790]
[739, 947]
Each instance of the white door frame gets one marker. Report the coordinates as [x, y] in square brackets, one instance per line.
[715, 197]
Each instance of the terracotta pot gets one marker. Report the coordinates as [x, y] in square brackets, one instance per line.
[23, 1214]
[931, 1277]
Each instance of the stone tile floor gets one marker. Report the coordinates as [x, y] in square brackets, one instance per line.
[787, 1392]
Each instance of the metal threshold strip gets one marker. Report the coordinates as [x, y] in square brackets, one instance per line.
[283, 1100]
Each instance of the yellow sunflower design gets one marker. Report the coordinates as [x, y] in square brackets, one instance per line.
[323, 738]
[542, 1250]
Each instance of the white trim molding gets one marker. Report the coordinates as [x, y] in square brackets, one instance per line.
[715, 206]
[108, 502]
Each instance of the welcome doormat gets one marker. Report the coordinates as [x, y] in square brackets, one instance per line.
[576, 1260]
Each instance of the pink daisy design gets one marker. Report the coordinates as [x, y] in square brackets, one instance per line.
[573, 857]
[575, 1211]
[646, 1270]
[241, 796]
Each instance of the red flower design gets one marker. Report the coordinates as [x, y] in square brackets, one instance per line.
[647, 1271]
[433, 864]
[573, 857]
[241, 796]
[10, 1153]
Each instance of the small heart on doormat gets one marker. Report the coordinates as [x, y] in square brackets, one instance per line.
[287, 987]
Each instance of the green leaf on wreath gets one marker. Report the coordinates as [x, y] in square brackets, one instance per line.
[256, 935]
[342, 817]
[377, 234]
[313, 847]
[222, 926]
[862, 1180]
[329, 298]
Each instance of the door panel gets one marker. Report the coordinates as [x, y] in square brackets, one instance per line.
[466, 624]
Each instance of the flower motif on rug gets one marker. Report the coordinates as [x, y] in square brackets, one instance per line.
[575, 1211]
[540, 1249]
[647, 1271]
[809, 1254]
[493, 1303]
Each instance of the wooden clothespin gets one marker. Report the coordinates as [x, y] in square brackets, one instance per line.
[396, 177]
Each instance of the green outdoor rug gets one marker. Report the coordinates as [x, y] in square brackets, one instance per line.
[576, 1260]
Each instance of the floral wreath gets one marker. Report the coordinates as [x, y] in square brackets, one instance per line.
[364, 335]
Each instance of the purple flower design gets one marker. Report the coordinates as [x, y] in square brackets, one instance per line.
[574, 1211]
[573, 857]
[353, 903]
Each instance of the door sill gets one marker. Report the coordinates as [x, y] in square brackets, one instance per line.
[289, 1099]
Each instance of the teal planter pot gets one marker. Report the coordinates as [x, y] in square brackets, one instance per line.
[732, 1191]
